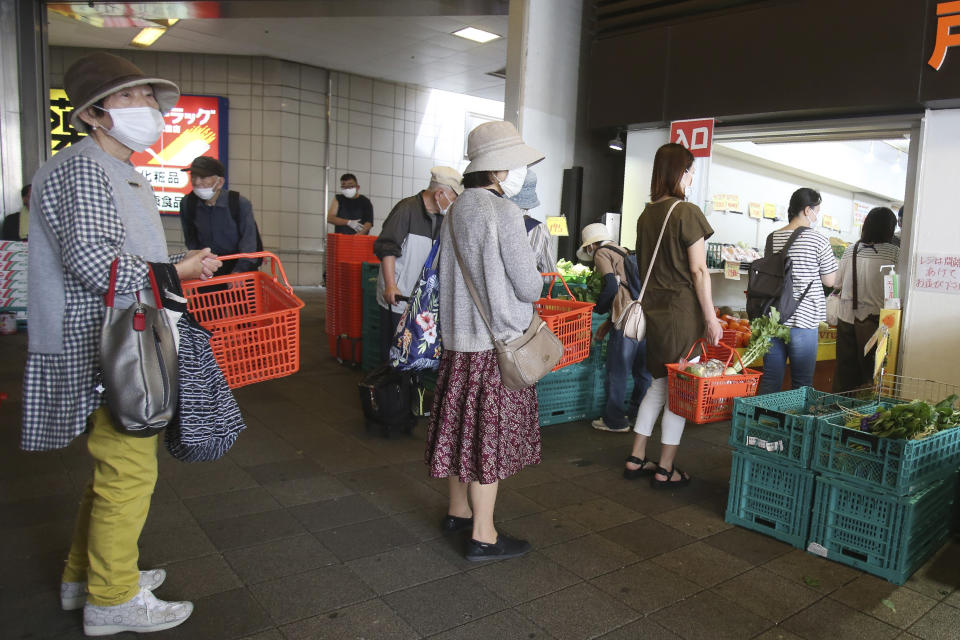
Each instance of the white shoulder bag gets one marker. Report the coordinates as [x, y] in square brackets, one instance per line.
[631, 320]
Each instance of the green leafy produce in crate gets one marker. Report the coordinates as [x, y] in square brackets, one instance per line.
[912, 421]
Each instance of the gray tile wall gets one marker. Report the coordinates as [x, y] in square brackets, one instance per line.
[388, 135]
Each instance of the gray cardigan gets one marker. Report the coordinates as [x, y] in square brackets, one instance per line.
[501, 263]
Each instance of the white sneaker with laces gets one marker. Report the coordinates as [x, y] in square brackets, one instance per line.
[73, 595]
[143, 614]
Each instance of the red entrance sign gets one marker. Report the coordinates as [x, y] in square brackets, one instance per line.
[695, 135]
[195, 127]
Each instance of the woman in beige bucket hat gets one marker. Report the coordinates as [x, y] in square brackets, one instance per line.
[480, 431]
[91, 207]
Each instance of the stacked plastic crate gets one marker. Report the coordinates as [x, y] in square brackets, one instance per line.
[344, 312]
[13, 279]
[882, 505]
[771, 482]
[370, 350]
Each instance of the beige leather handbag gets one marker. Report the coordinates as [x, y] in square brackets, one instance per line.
[525, 359]
[631, 320]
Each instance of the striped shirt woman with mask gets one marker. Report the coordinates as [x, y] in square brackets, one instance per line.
[813, 265]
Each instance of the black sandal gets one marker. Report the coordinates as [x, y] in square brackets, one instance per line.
[641, 472]
[669, 482]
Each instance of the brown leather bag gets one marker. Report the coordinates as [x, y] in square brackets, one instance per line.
[525, 359]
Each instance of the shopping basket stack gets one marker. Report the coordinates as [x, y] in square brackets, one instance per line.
[344, 312]
[702, 399]
[254, 318]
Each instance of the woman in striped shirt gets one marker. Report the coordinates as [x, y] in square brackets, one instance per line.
[861, 297]
[813, 263]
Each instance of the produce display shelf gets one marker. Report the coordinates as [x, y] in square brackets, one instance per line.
[775, 426]
[883, 534]
[770, 497]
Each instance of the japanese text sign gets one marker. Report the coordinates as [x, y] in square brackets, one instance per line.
[557, 226]
[695, 135]
[937, 273]
[196, 126]
[948, 17]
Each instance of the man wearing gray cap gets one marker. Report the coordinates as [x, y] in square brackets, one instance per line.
[222, 220]
[403, 244]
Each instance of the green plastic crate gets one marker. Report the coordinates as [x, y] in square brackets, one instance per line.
[900, 467]
[774, 425]
[565, 395]
[770, 497]
[887, 535]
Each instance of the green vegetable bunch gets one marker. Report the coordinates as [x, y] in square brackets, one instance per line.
[911, 421]
[763, 329]
[573, 273]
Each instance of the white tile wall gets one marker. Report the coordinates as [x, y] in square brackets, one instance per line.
[389, 135]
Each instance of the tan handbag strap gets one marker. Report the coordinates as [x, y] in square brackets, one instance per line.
[656, 249]
[468, 280]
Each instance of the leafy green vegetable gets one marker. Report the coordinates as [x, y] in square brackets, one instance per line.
[764, 329]
[811, 582]
[912, 421]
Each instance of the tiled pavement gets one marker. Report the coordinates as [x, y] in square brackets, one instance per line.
[312, 529]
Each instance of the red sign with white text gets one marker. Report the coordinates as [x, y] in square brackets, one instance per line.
[195, 127]
[695, 135]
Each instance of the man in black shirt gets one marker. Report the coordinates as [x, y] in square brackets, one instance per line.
[15, 223]
[349, 212]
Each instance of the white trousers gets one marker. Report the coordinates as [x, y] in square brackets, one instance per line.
[671, 426]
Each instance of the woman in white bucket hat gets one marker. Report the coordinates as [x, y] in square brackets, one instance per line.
[480, 431]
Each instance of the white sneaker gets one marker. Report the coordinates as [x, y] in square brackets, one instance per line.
[73, 595]
[601, 425]
[143, 614]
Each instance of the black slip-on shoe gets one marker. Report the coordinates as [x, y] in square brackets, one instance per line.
[453, 524]
[505, 547]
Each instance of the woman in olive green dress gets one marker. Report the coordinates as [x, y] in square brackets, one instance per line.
[678, 305]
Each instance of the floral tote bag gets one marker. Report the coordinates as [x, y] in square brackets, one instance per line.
[416, 343]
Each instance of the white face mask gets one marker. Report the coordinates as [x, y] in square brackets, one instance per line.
[136, 128]
[349, 193]
[512, 184]
[443, 210]
[205, 193]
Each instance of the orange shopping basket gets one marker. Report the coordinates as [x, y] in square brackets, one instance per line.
[254, 318]
[703, 400]
[569, 320]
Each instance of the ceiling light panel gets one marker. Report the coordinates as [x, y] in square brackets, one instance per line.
[147, 36]
[476, 35]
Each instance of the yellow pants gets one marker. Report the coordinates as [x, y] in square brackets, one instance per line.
[114, 507]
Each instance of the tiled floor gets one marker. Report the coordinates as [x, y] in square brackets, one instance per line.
[312, 529]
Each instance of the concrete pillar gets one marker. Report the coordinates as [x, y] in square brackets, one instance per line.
[24, 139]
[543, 65]
[930, 343]
[640, 149]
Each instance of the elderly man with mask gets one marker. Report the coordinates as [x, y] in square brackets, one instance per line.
[403, 244]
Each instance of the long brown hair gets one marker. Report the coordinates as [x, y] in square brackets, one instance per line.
[669, 165]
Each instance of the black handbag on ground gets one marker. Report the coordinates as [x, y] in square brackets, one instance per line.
[389, 398]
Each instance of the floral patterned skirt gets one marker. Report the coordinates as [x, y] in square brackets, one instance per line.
[479, 429]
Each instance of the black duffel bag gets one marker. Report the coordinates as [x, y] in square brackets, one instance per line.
[390, 400]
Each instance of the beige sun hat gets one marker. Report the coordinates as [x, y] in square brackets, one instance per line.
[448, 177]
[596, 232]
[96, 76]
[497, 146]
